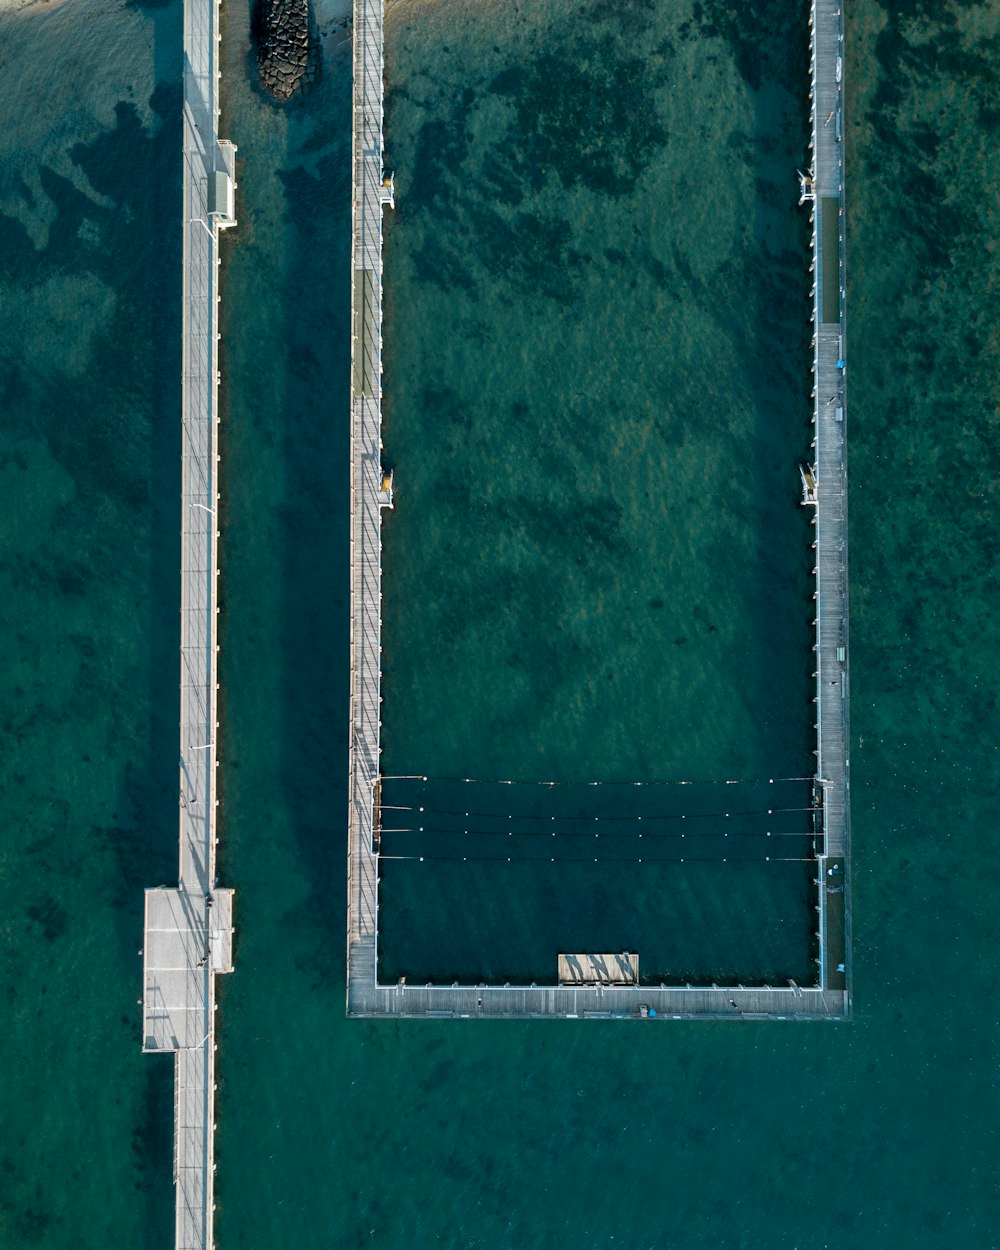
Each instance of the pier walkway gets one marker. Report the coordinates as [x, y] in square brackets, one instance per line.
[830, 997]
[188, 929]
[830, 435]
[596, 1002]
[370, 195]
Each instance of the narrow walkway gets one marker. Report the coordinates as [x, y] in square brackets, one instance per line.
[615, 1002]
[370, 195]
[188, 930]
[830, 420]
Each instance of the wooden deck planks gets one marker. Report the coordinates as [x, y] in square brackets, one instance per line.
[617, 1002]
[366, 480]
[830, 418]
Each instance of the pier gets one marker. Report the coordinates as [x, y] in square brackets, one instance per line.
[370, 195]
[188, 928]
[826, 196]
[610, 996]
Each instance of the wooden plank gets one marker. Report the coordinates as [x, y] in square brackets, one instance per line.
[619, 969]
[830, 425]
[364, 995]
[366, 478]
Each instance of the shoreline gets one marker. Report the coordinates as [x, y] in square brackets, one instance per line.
[29, 8]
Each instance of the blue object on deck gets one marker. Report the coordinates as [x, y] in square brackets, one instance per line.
[652, 1013]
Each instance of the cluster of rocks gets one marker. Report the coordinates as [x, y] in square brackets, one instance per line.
[281, 31]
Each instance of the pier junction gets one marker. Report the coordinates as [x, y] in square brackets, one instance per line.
[824, 491]
[188, 927]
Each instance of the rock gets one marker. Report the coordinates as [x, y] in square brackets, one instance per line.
[281, 33]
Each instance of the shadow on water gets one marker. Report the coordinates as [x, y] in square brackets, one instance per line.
[775, 355]
[526, 844]
[284, 623]
[113, 426]
[776, 359]
[315, 526]
[140, 172]
[302, 432]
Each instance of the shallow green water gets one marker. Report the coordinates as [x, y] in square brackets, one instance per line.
[594, 397]
[89, 355]
[596, 403]
[876, 1135]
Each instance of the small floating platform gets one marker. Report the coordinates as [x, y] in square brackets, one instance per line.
[621, 969]
[807, 472]
[385, 490]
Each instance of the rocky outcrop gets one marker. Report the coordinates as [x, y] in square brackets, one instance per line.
[281, 32]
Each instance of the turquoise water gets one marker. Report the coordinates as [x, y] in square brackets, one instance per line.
[596, 403]
[874, 1135]
[595, 438]
[705, 883]
[89, 359]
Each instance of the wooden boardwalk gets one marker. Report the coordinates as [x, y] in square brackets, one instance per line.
[828, 1000]
[621, 969]
[830, 433]
[618, 1002]
[188, 930]
[370, 195]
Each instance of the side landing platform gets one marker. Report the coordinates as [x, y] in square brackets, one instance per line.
[187, 939]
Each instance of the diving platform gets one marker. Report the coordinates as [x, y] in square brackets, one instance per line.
[188, 930]
[620, 969]
[599, 986]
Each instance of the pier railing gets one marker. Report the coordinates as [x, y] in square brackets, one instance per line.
[825, 192]
[369, 197]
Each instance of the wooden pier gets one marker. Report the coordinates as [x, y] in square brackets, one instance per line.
[829, 998]
[370, 195]
[596, 1002]
[830, 444]
[188, 929]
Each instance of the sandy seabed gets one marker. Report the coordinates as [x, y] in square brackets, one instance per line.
[32, 6]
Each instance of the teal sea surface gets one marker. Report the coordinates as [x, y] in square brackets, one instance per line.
[597, 395]
[597, 568]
